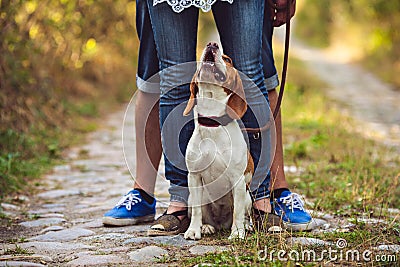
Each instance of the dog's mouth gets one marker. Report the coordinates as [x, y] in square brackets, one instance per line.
[209, 62]
[210, 55]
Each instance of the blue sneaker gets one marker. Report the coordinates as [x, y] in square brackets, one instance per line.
[290, 208]
[131, 209]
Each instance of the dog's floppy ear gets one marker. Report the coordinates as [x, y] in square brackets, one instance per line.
[193, 93]
[237, 105]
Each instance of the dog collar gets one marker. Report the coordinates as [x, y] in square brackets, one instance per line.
[214, 121]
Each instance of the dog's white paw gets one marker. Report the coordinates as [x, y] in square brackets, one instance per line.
[248, 226]
[193, 233]
[237, 234]
[207, 229]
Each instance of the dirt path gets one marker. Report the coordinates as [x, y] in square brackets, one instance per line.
[373, 103]
[65, 227]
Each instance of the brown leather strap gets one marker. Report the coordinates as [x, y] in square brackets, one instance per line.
[285, 61]
[283, 81]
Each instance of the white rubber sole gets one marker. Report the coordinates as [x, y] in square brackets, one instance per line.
[297, 227]
[110, 221]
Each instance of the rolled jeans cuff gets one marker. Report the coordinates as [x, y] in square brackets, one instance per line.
[272, 82]
[179, 194]
[177, 198]
[261, 193]
[147, 87]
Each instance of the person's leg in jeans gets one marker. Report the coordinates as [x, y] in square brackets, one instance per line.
[148, 137]
[271, 82]
[285, 204]
[148, 140]
[241, 38]
[175, 37]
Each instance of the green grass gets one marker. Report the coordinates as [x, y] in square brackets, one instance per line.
[26, 154]
[260, 249]
[342, 168]
[21, 160]
[16, 251]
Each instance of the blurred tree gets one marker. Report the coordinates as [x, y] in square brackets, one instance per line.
[314, 22]
[60, 61]
[53, 51]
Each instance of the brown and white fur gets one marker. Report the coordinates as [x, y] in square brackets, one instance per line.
[217, 158]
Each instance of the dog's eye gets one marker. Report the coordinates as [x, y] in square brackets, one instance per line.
[227, 59]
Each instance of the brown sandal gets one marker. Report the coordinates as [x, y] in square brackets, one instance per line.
[170, 224]
[266, 222]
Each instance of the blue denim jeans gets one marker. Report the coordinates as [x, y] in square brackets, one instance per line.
[268, 62]
[175, 35]
[148, 60]
[241, 38]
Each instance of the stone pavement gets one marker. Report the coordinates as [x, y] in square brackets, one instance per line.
[65, 228]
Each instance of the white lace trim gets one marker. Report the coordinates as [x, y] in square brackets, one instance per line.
[293, 201]
[129, 200]
[179, 5]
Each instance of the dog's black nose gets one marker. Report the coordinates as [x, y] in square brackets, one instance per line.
[212, 45]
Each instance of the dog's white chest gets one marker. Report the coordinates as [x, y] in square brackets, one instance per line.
[217, 152]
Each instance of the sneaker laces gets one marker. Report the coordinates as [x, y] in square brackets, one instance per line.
[129, 200]
[293, 201]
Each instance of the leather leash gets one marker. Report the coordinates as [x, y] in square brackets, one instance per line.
[283, 81]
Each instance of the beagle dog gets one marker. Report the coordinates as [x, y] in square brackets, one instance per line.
[217, 157]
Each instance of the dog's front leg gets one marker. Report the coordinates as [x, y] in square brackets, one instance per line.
[195, 202]
[239, 209]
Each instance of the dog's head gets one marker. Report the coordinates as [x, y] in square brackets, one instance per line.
[217, 79]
